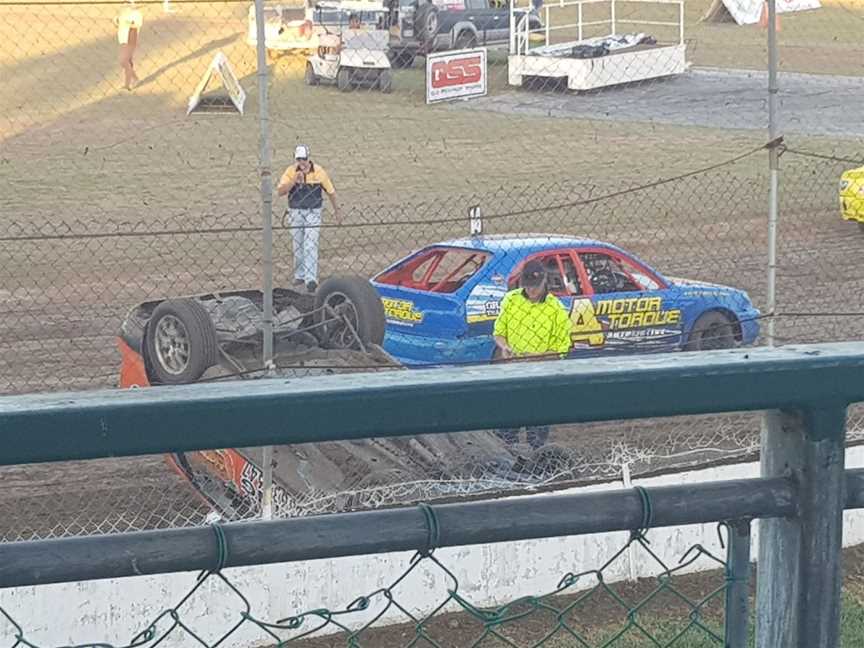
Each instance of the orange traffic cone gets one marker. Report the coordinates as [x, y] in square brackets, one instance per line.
[763, 18]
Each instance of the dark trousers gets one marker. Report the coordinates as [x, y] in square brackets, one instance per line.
[537, 435]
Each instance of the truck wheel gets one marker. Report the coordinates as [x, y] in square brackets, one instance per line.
[355, 299]
[711, 331]
[311, 78]
[385, 81]
[465, 40]
[180, 342]
[343, 79]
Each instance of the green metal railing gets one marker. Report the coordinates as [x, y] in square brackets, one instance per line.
[800, 496]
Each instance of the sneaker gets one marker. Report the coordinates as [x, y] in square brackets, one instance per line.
[312, 286]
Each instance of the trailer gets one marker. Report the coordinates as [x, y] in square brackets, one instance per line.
[580, 42]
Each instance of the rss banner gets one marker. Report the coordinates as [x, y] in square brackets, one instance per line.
[455, 75]
[222, 68]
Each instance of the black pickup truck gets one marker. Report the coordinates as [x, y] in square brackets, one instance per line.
[421, 26]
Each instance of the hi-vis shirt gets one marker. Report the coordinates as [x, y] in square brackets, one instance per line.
[307, 195]
[533, 328]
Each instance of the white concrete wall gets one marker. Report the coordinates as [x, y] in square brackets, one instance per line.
[116, 610]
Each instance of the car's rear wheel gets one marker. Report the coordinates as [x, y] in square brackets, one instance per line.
[426, 26]
[711, 331]
[354, 310]
[180, 343]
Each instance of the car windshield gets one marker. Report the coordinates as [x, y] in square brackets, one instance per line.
[439, 269]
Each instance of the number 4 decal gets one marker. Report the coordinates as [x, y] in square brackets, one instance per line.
[586, 326]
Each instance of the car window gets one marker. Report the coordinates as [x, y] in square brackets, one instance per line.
[609, 274]
[440, 270]
[477, 4]
[561, 275]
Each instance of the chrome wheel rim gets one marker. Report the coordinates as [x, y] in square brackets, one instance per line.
[172, 344]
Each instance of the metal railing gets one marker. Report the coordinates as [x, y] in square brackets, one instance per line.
[800, 496]
[521, 31]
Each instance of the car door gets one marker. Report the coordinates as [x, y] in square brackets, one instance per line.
[629, 303]
[567, 282]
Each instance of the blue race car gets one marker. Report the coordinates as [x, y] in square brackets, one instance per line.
[441, 301]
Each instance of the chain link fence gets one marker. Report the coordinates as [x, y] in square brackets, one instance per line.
[584, 609]
[113, 197]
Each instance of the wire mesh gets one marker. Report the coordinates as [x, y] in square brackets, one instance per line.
[583, 609]
[114, 197]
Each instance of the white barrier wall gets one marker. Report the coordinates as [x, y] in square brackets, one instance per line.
[116, 610]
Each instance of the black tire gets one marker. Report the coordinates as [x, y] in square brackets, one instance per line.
[310, 77]
[180, 342]
[385, 81]
[426, 25]
[712, 330]
[356, 299]
[465, 40]
[401, 59]
[343, 79]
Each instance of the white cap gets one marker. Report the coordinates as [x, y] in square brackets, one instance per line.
[301, 152]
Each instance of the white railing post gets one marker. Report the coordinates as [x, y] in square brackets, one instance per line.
[547, 25]
[579, 20]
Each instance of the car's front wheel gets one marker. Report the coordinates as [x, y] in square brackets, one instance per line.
[712, 331]
[180, 343]
[310, 77]
[350, 313]
[343, 79]
[385, 81]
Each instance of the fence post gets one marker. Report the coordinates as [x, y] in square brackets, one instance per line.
[773, 172]
[265, 163]
[799, 569]
[631, 550]
[738, 590]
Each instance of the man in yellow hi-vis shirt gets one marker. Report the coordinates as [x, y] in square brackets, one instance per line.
[531, 322]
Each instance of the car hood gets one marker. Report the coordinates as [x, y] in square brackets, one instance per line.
[706, 285]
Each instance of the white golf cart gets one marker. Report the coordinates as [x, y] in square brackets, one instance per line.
[351, 56]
